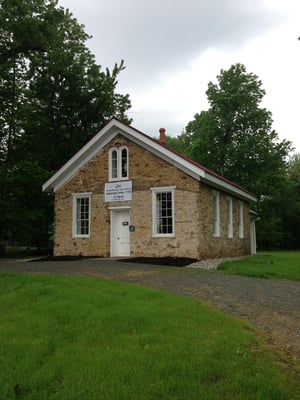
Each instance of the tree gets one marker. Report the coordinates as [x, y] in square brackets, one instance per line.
[53, 98]
[26, 27]
[292, 210]
[69, 96]
[234, 137]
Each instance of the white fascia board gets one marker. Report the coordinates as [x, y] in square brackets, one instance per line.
[102, 138]
[162, 152]
[188, 167]
[90, 149]
[108, 132]
[227, 187]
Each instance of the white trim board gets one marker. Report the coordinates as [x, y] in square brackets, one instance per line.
[115, 127]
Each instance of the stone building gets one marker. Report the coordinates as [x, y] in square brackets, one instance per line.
[127, 194]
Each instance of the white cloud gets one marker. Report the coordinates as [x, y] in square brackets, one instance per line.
[172, 49]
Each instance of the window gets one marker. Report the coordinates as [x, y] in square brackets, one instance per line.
[216, 214]
[118, 163]
[241, 220]
[124, 160]
[114, 164]
[163, 211]
[81, 214]
[229, 218]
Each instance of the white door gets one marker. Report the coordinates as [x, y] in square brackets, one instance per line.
[120, 235]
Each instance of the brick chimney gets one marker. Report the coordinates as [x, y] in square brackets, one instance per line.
[162, 137]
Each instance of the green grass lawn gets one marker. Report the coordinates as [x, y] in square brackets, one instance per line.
[269, 264]
[79, 338]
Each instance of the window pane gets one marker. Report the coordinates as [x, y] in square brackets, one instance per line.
[216, 220]
[82, 216]
[229, 218]
[241, 221]
[114, 164]
[124, 163]
[164, 213]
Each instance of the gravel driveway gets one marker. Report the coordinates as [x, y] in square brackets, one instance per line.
[272, 305]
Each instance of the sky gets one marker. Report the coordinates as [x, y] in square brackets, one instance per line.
[172, 49]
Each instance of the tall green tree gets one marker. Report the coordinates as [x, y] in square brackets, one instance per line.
[53, 98]
[282, 212]
[69, 96]
[292, 209]
[26, 27]
[235, 138]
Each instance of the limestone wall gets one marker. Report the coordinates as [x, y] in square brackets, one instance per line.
[192, 202]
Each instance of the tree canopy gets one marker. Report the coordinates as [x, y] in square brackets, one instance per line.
[235, 138]
[53, 98]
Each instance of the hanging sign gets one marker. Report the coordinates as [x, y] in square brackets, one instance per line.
[118, 191]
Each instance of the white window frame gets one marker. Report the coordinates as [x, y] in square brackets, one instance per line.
[155, 217]
[110, 169]
[216, 213]
[241, 219]
[229, 218]
[119, 176]
[75, 233]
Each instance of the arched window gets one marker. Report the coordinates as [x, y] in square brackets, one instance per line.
[114, 164]
[118, 164]
[124, 162]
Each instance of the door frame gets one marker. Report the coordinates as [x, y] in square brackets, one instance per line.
[113, 212]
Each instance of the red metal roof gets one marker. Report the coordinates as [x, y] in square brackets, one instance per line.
[207, 170]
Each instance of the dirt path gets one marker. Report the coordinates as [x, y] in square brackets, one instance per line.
[272, 305]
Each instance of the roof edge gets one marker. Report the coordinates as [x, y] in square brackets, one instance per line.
[188, 165]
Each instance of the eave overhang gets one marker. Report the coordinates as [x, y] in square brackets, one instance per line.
[115, 127]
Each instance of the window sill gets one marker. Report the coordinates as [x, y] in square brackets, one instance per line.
[163, 236]
[118, 179]
[81, 237]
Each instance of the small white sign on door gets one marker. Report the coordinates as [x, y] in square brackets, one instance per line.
[118, 191]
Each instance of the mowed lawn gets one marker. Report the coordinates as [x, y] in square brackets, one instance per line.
[81, 338]
[266, 264]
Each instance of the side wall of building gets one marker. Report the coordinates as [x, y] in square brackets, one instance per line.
[222, 246]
